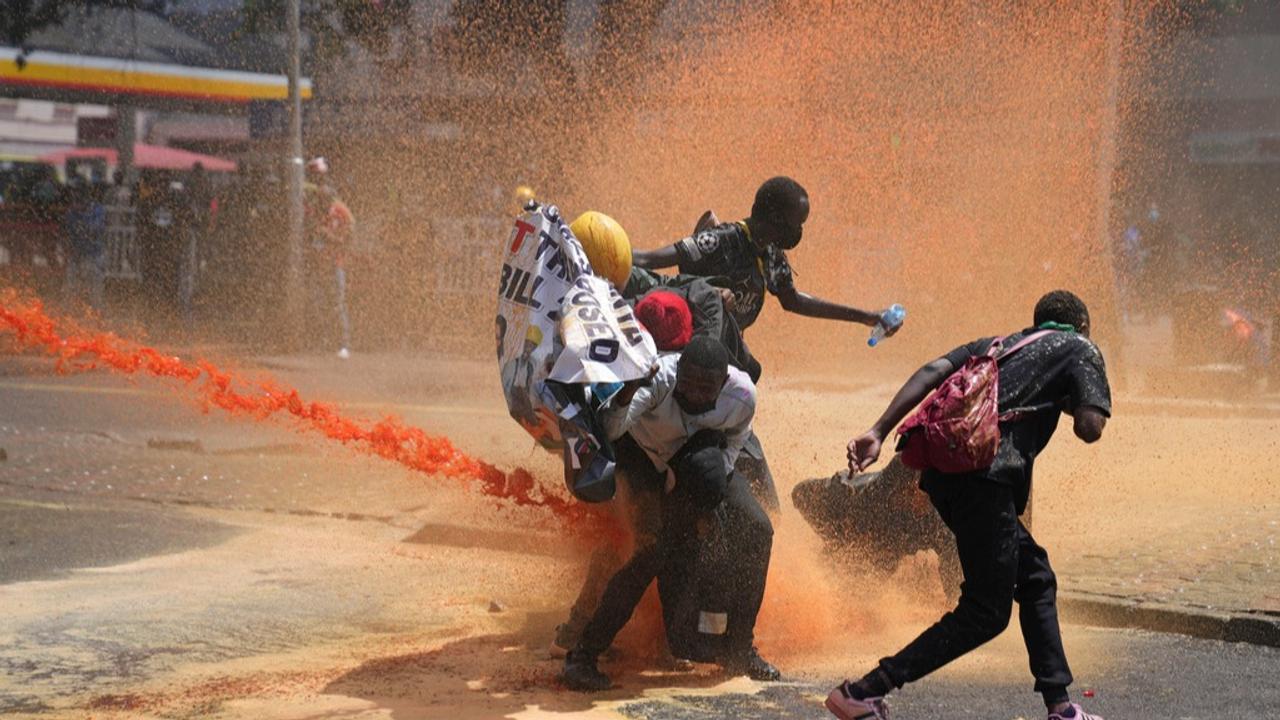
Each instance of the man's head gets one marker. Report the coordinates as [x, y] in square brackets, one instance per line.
[317, 166]
[779, 212]
[532, 339]
[1064, 308]
[700, 375]
[667, 318]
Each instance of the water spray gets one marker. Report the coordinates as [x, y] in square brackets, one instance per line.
[78, 349]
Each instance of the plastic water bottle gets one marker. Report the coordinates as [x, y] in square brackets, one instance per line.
[891, 319]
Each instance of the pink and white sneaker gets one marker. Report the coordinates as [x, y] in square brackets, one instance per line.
[846, 707]
[1077, 713]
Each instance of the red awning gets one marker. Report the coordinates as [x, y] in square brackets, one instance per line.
[145, 156]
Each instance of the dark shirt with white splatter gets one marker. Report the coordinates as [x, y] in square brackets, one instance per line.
[1062, 370]
[728, 251]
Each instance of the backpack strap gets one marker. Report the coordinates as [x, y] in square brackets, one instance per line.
[1020, 344]
[993, 350]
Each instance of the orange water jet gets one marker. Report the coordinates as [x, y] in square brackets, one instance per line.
[79, 349]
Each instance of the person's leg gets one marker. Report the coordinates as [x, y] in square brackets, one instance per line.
[97, 267]
[619, 601]
[638, 506]
[71, 282]
[606, 560]
[621, 595]
[982, 516]
[1036, 595]
[749, 537]
[713, 618]
[753, 466]
[315, 317]
[679, 591]
[187, 279]
[344, 320]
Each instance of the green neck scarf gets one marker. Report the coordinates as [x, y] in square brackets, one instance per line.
[1063, 327]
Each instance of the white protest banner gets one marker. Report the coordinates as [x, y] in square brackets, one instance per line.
[556, 320]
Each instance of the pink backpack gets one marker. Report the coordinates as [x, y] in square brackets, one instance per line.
[957, 428]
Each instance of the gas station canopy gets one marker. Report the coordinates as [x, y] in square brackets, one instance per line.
[85, 78]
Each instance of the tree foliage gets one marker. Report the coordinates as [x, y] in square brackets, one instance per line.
[23, 18]
[330, 24]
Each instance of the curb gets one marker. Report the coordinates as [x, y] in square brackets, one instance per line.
[1255, 628]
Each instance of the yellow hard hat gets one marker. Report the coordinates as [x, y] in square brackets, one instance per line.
[523, 195]
[534, 335]
[607, 246]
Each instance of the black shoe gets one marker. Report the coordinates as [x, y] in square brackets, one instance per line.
[581, 674]
[753, 666]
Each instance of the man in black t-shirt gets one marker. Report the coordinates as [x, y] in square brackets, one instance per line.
[1060, 372]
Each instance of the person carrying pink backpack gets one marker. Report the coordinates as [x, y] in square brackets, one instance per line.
[993, 406]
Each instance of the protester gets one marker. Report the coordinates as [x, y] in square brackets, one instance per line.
[85, 230]
[679, 436]
[1001, 562]
[673, 309]
[329, 228]
[121, 193]
[750, 256]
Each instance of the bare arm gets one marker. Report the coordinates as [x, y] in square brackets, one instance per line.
[865, 449]
[1089, 423]
[664, 257]
[805, 304]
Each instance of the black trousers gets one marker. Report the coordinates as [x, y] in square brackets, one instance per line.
[754, 466]
[729, 583]
[1001, 563]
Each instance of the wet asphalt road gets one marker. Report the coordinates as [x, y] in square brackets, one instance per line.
[1160, 676]
[44, 540]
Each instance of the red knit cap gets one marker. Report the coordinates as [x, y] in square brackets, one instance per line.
[666, 316]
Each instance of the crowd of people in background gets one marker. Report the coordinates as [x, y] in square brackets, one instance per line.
[168, 244]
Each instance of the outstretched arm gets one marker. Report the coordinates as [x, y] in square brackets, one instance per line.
[805, 304]
[865, 449]
[666, 257]
[655, 259]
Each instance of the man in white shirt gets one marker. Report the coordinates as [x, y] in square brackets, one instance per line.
[680, 435]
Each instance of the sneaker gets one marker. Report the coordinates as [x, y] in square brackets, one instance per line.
[846, 707]
[581, 674]
[753, 666]
[1076, 713]
[344, 354]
